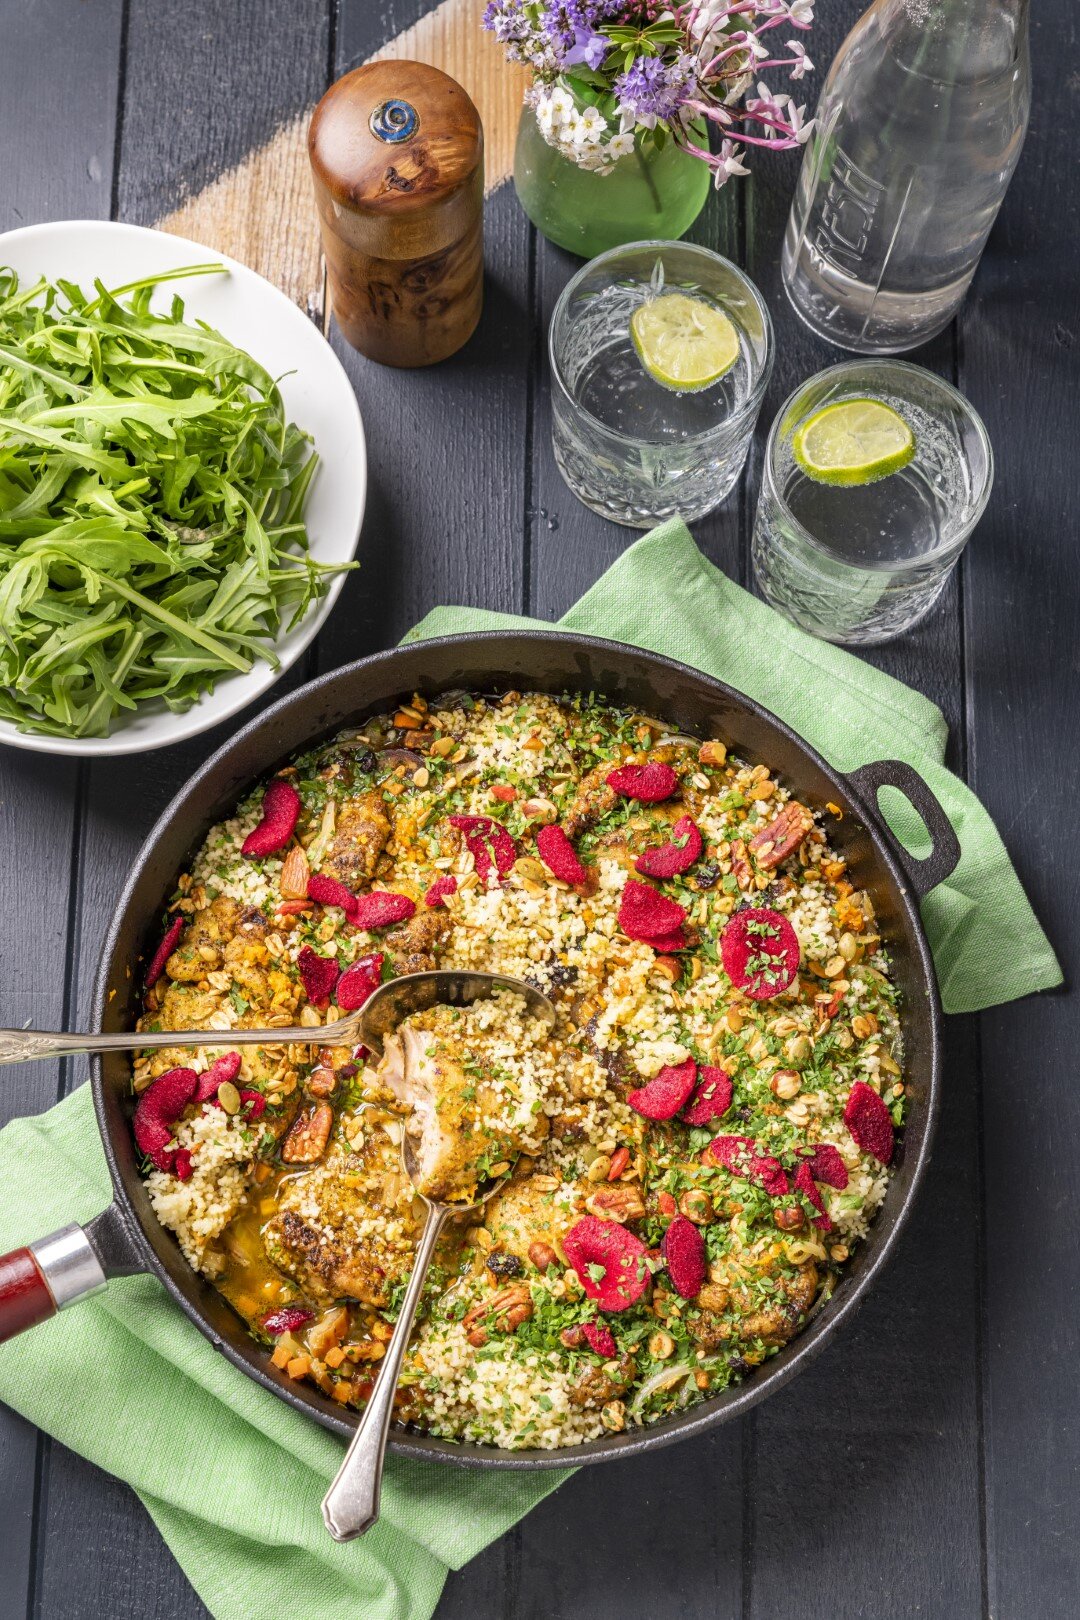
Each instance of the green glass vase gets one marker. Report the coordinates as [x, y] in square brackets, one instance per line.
[648, 195]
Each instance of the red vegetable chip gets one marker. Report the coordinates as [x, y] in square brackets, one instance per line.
[870, 1122]
[287, 1319]
[739, 1155]
[182, 1166]
[226, 1067]
[380, 908]
[280, 813]
[359, 982]
[646, 914]
[559, 856]
[164, 950]
[441, 887]
[647, 783]
[329, 892]
[158, 1110]
[600, 1338]
[254, 1103]
[319, 973]
[609, 1260]
[668, 944]
[683, 1248]
[665, 1093]
[668, 860]
[760, 952]
[828, 1166]
[712, 1096]
[804, 1183]
[488, 842]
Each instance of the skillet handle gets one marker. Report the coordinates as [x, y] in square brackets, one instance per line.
[45, 1277]
[932, 869]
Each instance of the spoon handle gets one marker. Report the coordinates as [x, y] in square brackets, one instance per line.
[22, 1045]
[351, 1505]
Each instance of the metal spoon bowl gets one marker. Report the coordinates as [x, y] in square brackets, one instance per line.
[382, 1012]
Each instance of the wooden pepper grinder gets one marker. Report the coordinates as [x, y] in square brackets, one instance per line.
[397, 155]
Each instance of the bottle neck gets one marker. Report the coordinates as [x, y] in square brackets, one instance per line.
[957, 41]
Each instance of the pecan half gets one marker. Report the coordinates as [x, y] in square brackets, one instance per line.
[308, 1135]
[783, 835]
[740, 865]
[505, 1310]
[616, 1203]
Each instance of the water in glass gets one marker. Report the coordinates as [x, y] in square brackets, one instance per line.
[861, 564]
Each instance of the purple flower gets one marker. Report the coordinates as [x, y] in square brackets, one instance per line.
[588, 49]
[652, 89]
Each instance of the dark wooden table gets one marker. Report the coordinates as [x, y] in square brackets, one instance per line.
[929, 1463]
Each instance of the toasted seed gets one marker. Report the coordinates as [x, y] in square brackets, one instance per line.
[229, 1097]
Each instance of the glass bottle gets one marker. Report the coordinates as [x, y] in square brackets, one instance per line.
[918, 132]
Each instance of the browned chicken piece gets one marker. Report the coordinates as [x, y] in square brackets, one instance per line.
[591, 803]
[597, 1385]
[247, 959]
[775, 1323]
[202, 946]
[413, 948]
[185, 1007]
[323, 1268]
[782, 836]
[361, 833]
[308, 1135]
[521, 1213]
[463, 1122]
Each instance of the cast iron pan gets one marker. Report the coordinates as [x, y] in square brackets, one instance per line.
[127, 1238]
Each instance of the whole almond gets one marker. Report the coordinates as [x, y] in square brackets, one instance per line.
[295, 872]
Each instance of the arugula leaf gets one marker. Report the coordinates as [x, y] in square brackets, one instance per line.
[151, 507]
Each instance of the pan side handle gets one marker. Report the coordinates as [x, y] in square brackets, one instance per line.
[46, 1277]
[932, 869]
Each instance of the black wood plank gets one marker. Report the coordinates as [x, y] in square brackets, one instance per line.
[1020, 339]
[58, 93]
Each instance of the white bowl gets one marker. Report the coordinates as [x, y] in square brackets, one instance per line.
[317, 395]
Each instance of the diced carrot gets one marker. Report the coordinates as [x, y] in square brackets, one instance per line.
[299, 1367]
[281, 1356]
[335, 1356]
[343, 1391]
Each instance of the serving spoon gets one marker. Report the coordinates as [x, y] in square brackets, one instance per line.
[381, 1013]
[351, 1505]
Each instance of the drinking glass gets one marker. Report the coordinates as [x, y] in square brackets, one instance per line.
[632, 449]
[860, 564]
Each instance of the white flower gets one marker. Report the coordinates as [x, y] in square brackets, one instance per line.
[800, 130]
[545, 115]
[563, 110]
[620, 145]
[589, 125]
[729, 163]
[801, 13]
[802, 64]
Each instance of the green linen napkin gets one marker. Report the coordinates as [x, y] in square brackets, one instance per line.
[662, 594]
[231, 1476]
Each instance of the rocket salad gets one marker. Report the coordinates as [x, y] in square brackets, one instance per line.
[151, 507]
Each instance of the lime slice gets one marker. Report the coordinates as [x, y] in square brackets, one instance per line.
[683, 342]
[854, 441]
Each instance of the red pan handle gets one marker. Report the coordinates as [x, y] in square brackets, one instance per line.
[43, 1278]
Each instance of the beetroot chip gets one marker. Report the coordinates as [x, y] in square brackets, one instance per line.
[319, 973]
[441, 887]
[668, 944]
[712, 1096]
[164, 951]
[158, 1110]
[611, 1262]
[665, 1093]
[668, 860]
[488, 842]
[380, 908]
[182, 1166]
[804, 1183]
[559, 856]
[288, 1319]
[646, 783]
[253, 1103]
[828, 1166]
[600, 1338]
[226, 1067]
[739, 1155]
[646, 914]
[760, 952]
[329, 892]
[870, 1122]
[683, 1248]
[359, 982]
[280, 813]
